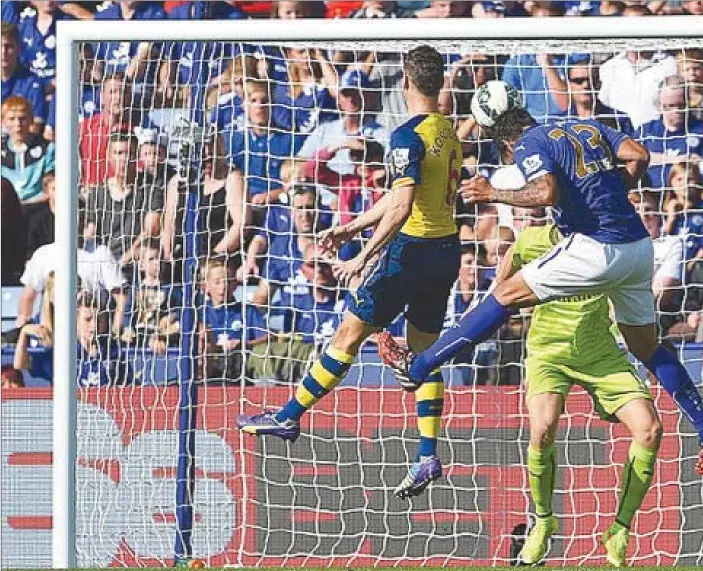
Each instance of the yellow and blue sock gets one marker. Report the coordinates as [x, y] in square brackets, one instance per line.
[323, 377]
[474, 327]
[429, 399]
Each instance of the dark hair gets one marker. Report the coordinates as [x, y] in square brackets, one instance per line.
[373, 152]
[509, 126]
[8, 30]
[424, 67]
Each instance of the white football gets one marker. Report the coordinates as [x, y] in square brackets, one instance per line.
[493, 99]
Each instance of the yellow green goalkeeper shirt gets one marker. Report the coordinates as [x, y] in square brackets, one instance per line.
[572, 331]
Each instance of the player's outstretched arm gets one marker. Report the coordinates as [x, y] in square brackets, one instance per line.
[397, 210]
[636, 159]
[541, 191]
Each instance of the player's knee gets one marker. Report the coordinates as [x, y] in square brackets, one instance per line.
[542, 435]
[649, 435]
[349, 336]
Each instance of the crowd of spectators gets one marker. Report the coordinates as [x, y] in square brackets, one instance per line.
[294, 140]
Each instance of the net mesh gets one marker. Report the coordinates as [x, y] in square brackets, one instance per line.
[208, 171]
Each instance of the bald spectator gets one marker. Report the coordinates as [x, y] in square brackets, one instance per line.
[673, 138]
[630, 83]
[17, 80]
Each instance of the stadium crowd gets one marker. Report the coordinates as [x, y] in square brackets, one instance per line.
[293, 140]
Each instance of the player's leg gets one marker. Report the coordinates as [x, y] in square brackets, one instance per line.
[429, 400]
[646, 429]
[376, 302]
[572, 267]
[547, 389]
[635, 315]
[324, 375]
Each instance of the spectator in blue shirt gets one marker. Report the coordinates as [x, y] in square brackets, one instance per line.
[311, 313]
[227, 327]
[17, 80]
[309, 97]
[673, 138]
[260, 151]
[226, 95]
[137, 60]
[214, 10]
[37, 38]
[276, 253]
[684, 210]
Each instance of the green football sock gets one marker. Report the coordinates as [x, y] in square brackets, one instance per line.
[636, 477]
[541, 467]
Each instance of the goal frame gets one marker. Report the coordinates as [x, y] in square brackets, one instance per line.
[67, 158]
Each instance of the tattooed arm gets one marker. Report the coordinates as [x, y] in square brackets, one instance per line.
[542, 191]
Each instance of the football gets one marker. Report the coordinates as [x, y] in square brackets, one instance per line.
[493, 99]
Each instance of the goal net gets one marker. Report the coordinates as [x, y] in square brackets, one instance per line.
[207, 171]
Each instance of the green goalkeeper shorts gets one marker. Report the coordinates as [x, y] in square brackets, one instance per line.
[611, 385]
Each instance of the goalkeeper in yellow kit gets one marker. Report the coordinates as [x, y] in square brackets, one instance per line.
[569, 343]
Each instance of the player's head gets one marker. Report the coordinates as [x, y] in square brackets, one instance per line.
[17, 117]
[424, 71]
[508, 128]
[215, 276]
[672, 102]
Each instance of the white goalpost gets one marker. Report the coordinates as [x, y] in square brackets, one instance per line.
[127, 453]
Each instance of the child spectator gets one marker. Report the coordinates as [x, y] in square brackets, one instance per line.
[101, 359]
[26, 156]
[151, 314]
[227, 328]
[13, 239]
[675, 137]
[35, 344]
[690, 67]
[311, 314]
[40, 226]
[684, 210]
[17, 80]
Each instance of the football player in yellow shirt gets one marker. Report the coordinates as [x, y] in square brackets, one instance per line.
[408, 266]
